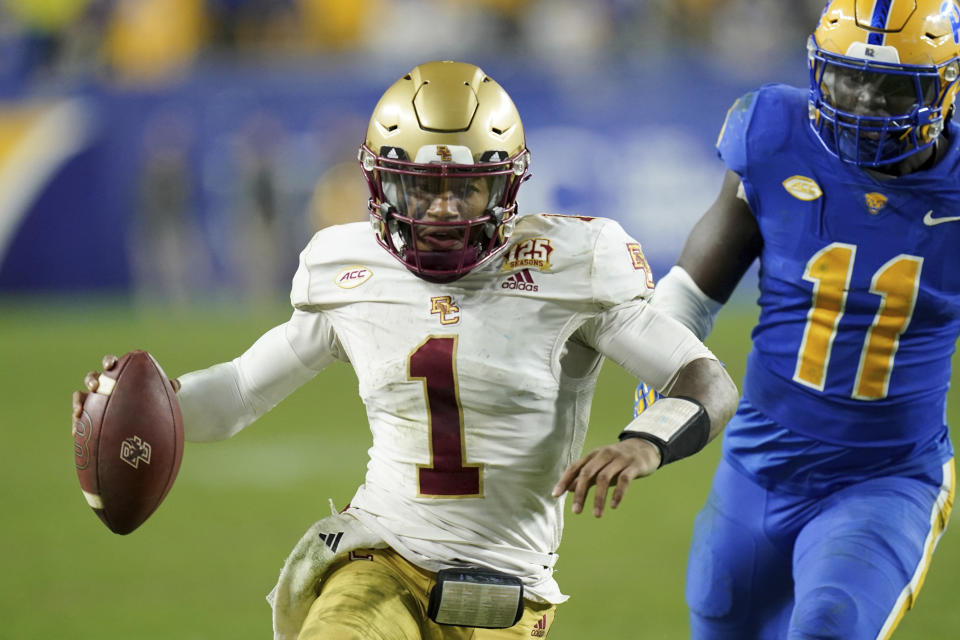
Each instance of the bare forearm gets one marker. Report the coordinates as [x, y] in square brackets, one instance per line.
[707, 381]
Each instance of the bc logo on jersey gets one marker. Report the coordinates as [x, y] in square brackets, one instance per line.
[444, 307]
[640, 261]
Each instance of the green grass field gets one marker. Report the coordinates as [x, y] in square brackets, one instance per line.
[200, 567]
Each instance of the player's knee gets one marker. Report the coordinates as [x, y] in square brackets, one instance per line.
[710, 583]
[826, 613]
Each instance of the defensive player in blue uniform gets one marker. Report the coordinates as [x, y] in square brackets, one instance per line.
[837, 475]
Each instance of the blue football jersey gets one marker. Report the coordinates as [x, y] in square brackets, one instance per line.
[859, 281]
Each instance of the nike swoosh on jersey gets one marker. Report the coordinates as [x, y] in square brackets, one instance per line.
[930, 221]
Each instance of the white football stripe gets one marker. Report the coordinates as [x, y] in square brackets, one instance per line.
[106, 385]
[93, 499]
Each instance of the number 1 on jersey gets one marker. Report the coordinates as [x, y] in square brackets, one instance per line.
[448, 475]
[829, 270]
[897, 283]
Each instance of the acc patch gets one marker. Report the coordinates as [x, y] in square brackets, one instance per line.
[802, 188]
[640, 262]
[352, 277]
[875, 202]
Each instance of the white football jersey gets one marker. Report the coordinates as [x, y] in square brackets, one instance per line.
[478, 391]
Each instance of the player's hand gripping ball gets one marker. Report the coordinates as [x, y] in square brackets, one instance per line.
[127, 439]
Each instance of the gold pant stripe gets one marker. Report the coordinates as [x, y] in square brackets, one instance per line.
[940, 516]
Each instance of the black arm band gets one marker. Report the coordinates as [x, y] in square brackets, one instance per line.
[677, 425]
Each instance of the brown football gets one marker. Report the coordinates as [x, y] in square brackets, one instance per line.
[128, 442]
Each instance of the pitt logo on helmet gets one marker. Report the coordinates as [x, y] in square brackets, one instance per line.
[952, 13]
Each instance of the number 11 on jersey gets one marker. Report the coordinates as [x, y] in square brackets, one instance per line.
[448, 475]
[896, 284]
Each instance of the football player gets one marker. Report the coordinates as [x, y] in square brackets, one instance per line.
[837, 475]
[477, 336]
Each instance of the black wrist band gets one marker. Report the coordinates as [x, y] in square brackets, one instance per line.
[678, 426]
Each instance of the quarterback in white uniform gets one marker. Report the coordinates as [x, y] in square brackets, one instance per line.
[477, 336]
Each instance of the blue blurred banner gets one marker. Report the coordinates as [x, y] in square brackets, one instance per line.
[214, 183]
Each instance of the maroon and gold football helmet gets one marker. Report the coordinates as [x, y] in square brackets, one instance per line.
[444, 156]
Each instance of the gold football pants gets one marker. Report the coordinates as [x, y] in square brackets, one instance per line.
[374, 594]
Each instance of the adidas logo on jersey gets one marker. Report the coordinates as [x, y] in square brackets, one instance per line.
[521, 281]
[332, 540]
[539, 629]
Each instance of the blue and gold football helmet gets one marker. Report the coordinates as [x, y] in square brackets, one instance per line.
[883, 77]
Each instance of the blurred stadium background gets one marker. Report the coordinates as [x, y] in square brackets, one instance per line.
[162, 162]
